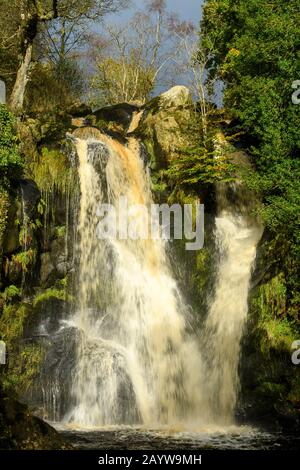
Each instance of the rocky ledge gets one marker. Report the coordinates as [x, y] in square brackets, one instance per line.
[19, 430]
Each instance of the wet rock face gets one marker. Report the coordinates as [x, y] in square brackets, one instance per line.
[269, 381]
[45, 319]
[30, 195]
[23, 201]
[51, 395]
[47, 269]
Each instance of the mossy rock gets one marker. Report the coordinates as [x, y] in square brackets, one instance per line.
[270, 382]
[162, 126]
[115, 118]
[11, 242]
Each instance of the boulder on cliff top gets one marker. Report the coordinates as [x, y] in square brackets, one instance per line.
[177, 96]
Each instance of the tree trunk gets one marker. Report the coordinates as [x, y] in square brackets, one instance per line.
[18, 93]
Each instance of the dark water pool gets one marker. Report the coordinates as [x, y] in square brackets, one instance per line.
[137, 438]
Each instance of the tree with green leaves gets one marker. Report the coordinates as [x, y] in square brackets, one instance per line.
[21, 21]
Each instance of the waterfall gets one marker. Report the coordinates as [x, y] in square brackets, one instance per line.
[237, 234]
[129, 352]
[138, 360]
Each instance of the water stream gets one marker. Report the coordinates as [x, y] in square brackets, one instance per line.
[134, 356]
[137, 361]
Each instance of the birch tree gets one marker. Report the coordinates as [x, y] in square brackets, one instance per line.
[21, 21]
[138, 56]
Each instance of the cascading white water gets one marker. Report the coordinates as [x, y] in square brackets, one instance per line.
[237, 234]
[137, 360]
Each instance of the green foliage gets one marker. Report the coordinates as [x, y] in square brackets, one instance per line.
[41, 206]
[294, 394]
[4, 206]
[126, 80]
[23, 260]
[12, 322]
[23, 361]
[271, 390]
[10, 161]
[198, 163]
[10, 293]
[23, 368]
[54, 86]
[253, 47]
[60, 231]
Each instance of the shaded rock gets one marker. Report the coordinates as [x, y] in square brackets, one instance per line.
[118, 114]
[58, 257]
[47, 268]
[50, 397]
[79, 110]
[46, 317]
[30, 195]
[20, 430]
[11, 242]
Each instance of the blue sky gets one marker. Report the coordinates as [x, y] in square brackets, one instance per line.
[187, 9]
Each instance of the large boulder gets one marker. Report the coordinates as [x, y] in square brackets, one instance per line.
[163, 126]
[176, 97]
[19, 430]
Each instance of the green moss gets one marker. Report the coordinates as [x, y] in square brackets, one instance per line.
[150, 151]
[4, 206]
[158, 185]
[11, 163]
[60, 231]
[202, 270]
[63, 283]
[12, 322]
[275, 329]
[52, 171]
[51, 293]
[153, 106]
[104, 125]
[24, 366]
[10, 293]
[271, 390]
[279, 334]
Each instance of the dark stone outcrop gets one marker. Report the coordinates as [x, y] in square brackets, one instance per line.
[119, 113]
[19, 430]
